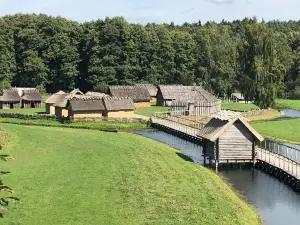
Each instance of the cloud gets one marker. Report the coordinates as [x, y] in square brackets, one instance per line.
[222, 1]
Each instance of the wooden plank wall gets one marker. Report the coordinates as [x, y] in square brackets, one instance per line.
[236, 143]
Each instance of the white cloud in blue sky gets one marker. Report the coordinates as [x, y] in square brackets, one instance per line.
[143, 11]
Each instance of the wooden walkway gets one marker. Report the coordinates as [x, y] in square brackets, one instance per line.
[178, 125]
[281, 162]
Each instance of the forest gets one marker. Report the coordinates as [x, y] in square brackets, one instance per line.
[260, 59]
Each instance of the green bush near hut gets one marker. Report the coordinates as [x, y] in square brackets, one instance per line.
[68, 176]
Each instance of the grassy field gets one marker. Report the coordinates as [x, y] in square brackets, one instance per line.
[282, 130]
[70, 177]
[271, 114]
[239, 106]
[287, 104]
[151, 110]
[26, 111]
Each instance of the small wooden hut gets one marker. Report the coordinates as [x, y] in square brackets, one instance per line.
[52, 100]
[229, 138]
[152, 89]
[85, 107]
[118, 107]
[61, 109]
[138, 94]
[10, 100]
[31, 99]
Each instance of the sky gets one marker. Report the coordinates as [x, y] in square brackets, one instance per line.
[158, 11]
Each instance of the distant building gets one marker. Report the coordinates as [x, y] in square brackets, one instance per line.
[237, 97]
[10, 100]
[139, 94]
[118, 107]
[52, 100]
[152, 89]
[31, 99]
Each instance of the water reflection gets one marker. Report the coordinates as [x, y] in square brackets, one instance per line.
[275, 201]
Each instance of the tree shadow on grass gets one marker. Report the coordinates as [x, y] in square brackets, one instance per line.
[184, 157]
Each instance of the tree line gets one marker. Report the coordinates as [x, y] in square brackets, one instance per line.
[260, 59]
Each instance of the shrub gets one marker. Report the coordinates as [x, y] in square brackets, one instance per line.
[27, 116]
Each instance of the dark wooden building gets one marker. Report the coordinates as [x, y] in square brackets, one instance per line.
[31, 99]
[10, 100]
[229, 138]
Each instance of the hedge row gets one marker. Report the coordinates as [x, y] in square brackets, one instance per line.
[27, 116]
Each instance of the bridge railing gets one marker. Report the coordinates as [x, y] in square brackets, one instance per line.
[281, 149]
[181, 119]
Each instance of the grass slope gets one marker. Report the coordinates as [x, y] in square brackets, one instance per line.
[239, 106]
[287, 104]
[70, 177]
[282, 130]
[150, 111]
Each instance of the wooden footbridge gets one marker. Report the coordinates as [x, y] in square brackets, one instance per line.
[274, 158]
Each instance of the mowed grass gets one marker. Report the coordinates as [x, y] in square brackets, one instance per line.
[287, 104]
[70, 177]
[151, 110]
[281, 130]
[41, 110]
[239, 106]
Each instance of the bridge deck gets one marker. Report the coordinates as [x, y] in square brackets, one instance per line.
[174, 124]
[289, 166]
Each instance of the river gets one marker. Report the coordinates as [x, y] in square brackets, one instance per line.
[275, 202]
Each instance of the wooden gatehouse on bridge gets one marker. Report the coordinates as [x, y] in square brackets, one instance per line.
[229, 139]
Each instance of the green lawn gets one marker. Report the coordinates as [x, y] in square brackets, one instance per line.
[283, 130]
[151, 110]
[71, 176]
[287, 104]
[26, 111]
[239, 106]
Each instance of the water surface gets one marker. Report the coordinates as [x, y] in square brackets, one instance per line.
[291, 114]
[277, 203]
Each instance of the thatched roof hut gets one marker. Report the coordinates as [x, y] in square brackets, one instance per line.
[118, 104]
[137, 93]
[152, 89]
[32, 96]
[10, 96]
[55, 97]
[228, 137]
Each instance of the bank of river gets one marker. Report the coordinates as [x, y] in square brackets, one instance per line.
[276, 202]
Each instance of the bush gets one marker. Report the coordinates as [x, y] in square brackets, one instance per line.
[27, 116]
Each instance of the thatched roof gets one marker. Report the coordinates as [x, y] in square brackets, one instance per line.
[117, 104]
[152, 89]
[218, 125]
[86, 105]
[99, 94]
[10, 96]
[186, 94]
[62, 100]
[32, 96]
[137, 93]
[55, 97]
